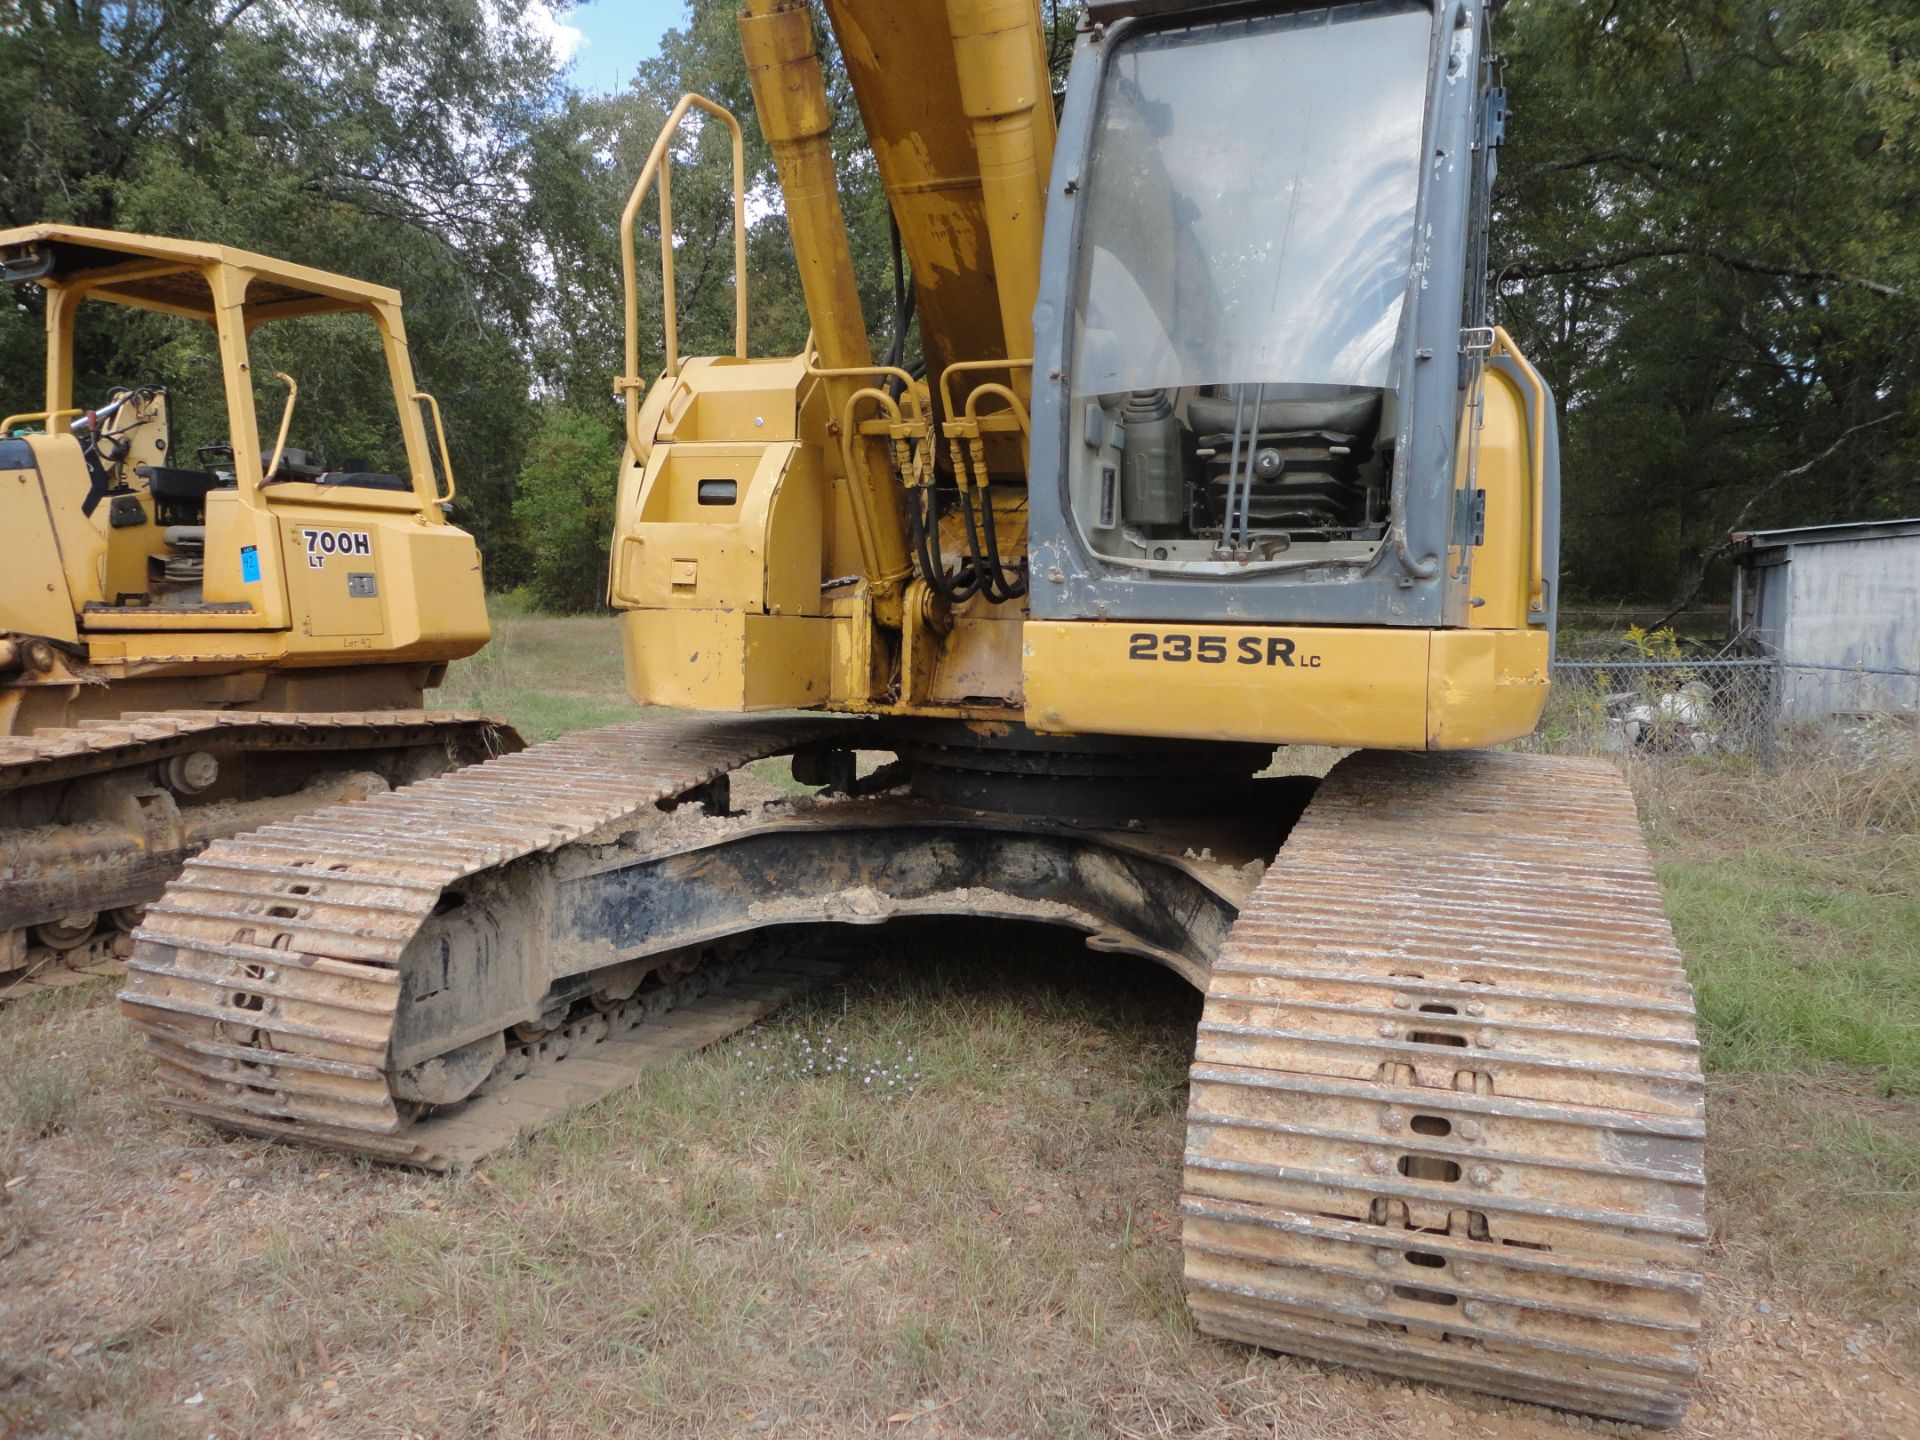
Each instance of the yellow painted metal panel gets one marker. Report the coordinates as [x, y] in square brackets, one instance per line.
[436, 601]
[752, 543]
[421, 595]
[728, 399]
[1503, 565]
[725, 659]
[1486, 686]
[33, 599]
[905, 76]
[235, 527]
[1373, 687]
[333, 582]
[196, 254]
[83, 541]
[1294, 685]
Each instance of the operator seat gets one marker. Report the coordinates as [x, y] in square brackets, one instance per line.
[1316, 436]
[180, 496]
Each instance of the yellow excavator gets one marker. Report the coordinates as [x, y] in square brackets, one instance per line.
[1208, 447]
[192, 646]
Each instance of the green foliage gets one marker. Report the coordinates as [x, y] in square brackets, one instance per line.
[1704, 238]
[565, 507]
[1660, 644]
[583, 164]
[387, 141]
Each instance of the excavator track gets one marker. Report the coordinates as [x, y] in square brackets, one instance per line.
[268, 980]
[1447, 1117]
[73, 888]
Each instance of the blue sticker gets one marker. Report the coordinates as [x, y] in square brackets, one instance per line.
[249, 563]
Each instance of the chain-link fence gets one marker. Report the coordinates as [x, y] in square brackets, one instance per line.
[1738, 705]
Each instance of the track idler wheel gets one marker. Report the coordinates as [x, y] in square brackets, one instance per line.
[69, 932]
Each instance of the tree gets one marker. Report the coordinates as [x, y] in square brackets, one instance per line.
[1704, 236]
[583, 161]
[388, 139]
[565, 506]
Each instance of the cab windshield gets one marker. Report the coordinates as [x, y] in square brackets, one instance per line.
[1246, 251]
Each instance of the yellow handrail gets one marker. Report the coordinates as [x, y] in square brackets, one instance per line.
[440, 434]
[286, 419]
[1537, 404]
[628, 385]
[46, 417]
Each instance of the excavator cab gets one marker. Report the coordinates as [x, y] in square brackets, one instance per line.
[1277, 399]
[177, 534]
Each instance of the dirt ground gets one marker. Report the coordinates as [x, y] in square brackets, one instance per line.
[939, 1200]
[753, 1241]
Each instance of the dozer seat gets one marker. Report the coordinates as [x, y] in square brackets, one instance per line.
[183, 487]
[364, 480]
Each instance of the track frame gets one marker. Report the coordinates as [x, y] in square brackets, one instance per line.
[1446, 1110]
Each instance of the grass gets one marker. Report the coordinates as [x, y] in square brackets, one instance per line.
[1795, 895]
[964, 1227]
[544, 674]
[937, 1201]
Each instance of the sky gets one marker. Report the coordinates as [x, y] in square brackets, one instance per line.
[605, 39]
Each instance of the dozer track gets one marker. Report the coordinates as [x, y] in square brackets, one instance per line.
[268, 980]
[96, 818]
[1447, 1118]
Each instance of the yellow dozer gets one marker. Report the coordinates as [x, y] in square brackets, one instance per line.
[194, 645]
[1205, 446]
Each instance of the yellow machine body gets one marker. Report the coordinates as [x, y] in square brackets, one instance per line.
[760, 559]
[286, 590]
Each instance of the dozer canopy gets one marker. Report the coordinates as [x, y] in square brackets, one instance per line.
[175, 478]
[150, 271]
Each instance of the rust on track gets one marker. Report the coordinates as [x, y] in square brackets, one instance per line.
[1447, 1119]
[268, 980]
[132, 837]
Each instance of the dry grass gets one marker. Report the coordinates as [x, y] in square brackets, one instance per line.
[545, 674]
[1795, 893]
[964, 1227]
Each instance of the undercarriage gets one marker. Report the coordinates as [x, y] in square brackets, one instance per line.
[1446, 1115]
[97, 817]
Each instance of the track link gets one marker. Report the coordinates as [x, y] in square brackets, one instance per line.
[53, 869]
[268, 979]
[1447, 1118]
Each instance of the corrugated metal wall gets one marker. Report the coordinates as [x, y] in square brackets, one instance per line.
[1843, 602]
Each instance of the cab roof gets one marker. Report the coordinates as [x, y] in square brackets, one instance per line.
[156, 273]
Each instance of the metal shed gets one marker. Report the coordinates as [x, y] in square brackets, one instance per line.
[1839, 606]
